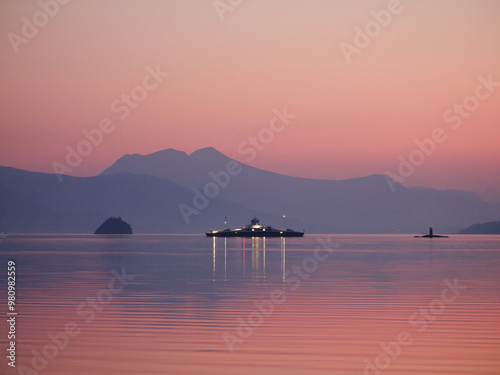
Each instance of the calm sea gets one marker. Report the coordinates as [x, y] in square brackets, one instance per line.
[187, 304]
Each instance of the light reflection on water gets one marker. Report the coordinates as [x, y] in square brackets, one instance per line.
[190, 291]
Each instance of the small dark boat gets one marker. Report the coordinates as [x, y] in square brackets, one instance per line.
[431, 235]
[255, 229]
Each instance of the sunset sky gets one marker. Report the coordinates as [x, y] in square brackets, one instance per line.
[229, 69]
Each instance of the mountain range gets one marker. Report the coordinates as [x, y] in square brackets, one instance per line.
[172, 192]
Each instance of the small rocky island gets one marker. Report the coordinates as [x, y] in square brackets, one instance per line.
[114, 225]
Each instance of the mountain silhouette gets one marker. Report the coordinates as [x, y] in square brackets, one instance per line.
[149, 189]
[363, 204]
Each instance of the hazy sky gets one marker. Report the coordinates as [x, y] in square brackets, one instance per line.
[230, 66]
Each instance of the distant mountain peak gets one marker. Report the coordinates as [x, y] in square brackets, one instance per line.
[177, 166]
[206, 150]
[139, 159]
[168, 151]
[208, 154]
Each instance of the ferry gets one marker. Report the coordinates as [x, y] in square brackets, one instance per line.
[255, 229]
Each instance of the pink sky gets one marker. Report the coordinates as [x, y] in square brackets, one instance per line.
[226, 77]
